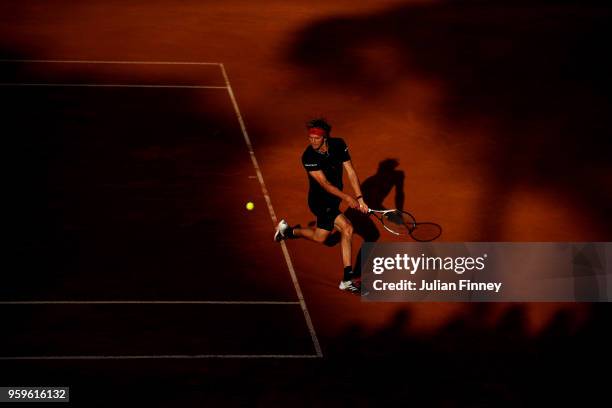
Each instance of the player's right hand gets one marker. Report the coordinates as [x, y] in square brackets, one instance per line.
[352, 202]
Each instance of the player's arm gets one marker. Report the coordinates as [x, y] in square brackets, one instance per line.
[319, 176]
[354, 180]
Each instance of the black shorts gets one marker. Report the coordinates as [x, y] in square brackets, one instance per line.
[326, 215]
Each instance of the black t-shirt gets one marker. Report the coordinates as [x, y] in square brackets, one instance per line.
[331, 165]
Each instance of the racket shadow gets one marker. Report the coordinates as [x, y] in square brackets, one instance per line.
[426, 231]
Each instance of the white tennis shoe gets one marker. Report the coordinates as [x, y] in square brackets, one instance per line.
[281, 228]
[349, 286]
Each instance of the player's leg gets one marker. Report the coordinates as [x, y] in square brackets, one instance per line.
[346, 230]
[326, 215]
[365, 227]
[318, 235]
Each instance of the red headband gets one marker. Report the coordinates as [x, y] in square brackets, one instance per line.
[317, 131]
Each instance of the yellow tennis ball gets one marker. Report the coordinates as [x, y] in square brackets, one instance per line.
[250, 206]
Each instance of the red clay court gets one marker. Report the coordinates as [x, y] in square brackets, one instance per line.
[135, 133]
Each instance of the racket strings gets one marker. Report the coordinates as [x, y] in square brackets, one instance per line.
[399, 221]
[403, 223]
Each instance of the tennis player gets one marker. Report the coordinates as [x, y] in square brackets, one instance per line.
[324, 160]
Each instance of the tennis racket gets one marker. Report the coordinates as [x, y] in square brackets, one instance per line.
[403, 223]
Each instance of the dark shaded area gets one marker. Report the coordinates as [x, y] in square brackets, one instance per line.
[123, 193]
[153, 329]
[538, 71]
[466, 363]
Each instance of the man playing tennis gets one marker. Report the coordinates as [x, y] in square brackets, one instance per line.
[324, 160]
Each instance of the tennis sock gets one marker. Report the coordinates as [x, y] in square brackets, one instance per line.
[289, 231]
[348, 273]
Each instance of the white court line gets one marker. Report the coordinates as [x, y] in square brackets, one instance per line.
[166, 356]
[109, 62]
[114, 85]
[264, 190]
[146, 302]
